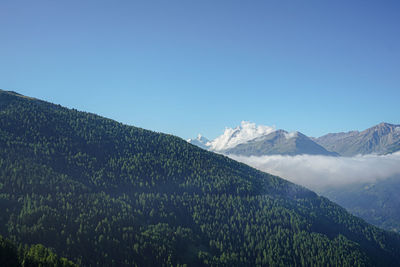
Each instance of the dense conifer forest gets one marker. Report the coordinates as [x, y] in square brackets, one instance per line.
[34, 255]
[106, 194]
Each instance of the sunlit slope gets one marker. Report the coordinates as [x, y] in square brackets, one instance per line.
[380, 139]
[103, 193]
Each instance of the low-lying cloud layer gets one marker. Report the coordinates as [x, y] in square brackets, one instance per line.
[322, 172]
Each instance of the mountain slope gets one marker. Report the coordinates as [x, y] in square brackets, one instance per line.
[35, 255]
[380, 139]
[248, 139]
[279, 142]
[106, 194]
[199, 141]
[378, 202]
[243, 133]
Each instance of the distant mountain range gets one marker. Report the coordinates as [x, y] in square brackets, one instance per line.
[377, 202]
[200, 141]
[380, 139]
[251, 140]
[279, 142]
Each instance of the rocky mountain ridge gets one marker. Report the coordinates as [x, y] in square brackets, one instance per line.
[251, 140]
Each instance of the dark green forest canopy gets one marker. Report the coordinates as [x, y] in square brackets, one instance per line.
[105, 194]
[33, 256]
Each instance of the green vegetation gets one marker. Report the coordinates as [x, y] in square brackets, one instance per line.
[35, 255]
[105, 194]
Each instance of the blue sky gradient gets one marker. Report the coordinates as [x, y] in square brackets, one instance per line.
[184, 67]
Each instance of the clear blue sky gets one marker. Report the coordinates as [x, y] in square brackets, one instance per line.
[185, 67]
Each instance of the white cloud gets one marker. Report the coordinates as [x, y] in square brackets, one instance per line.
[322, 172]
[241, 134]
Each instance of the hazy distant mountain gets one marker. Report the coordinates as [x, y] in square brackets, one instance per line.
[279, 142]
[377, 203]
[199, 141]
[380, 139]
[251, 140]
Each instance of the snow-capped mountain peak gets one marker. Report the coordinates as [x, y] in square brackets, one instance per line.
[199, 141]
[251, 139]
[241, 134]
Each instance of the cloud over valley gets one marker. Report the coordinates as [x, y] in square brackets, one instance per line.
[322, 172]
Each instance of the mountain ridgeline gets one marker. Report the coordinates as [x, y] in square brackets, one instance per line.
[279, 142]
[251, 140]
[380, 139]
[383, 138]
[105, 194]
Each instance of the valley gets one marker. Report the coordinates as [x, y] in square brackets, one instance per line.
[103, 193]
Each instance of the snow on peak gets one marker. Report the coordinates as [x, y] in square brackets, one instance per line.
[291, 135]
[233, 136]
[200, 138]
[200, 141]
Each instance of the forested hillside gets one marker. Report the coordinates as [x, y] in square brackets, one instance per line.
[105, 194]
[32, 256]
